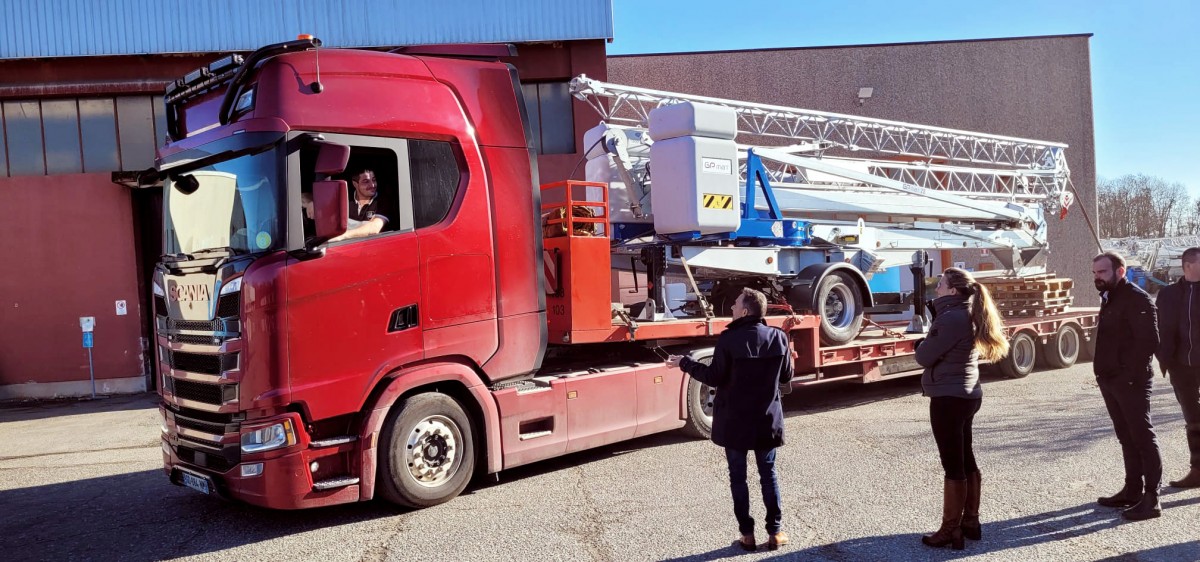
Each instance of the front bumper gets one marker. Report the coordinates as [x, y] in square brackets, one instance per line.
[285, 482]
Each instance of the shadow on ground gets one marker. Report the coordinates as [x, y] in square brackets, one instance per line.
[141, 516]
[999, 536]
[29, 410]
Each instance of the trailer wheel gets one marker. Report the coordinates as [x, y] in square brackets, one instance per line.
[700, 398]
[427, 451]
[1022, 356]
[840, 307]
[1064, 347]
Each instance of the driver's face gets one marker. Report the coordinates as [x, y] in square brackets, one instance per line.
[364, 184]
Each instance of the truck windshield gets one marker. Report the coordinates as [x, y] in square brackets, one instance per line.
[235, 205]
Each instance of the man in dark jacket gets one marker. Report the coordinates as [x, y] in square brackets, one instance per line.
[1126, 339]
[1179, 353]
[749, 365]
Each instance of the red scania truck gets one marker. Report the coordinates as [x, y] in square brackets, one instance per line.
[474, 334]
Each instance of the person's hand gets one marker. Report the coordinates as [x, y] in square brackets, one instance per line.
[673, 361]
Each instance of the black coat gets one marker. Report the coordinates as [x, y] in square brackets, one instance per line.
[749, 364]
[1126, 334]
[1179, 325]
[948, 352]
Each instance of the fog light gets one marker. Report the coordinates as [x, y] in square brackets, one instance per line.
[313, 467]
[252, 469]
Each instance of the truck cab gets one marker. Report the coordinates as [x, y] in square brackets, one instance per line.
[275, 337]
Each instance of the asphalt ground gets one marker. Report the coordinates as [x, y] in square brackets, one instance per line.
[859, 474]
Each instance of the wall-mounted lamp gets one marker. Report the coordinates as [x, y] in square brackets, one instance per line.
[865, 94]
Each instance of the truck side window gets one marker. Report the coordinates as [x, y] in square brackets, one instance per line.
[435, 180]
[370, 169]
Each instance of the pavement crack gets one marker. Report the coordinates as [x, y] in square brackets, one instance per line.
[380, 552]
[590, 527]
[78, 452]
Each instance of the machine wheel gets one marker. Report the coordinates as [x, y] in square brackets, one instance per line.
[427, 451]
[1022, 356]
[840, 307]
[700, 398]
[1064, 347]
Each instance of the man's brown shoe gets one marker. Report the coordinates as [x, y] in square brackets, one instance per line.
[1192, 480]
[777, 540]
[747, 542]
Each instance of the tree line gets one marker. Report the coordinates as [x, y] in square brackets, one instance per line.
[1145, 206]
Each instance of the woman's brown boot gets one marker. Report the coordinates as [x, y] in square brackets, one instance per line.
[954, 499]
[970, 520]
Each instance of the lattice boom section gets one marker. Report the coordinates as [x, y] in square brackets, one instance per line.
[631, 106]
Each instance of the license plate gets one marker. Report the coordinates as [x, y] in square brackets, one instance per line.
[198, 483]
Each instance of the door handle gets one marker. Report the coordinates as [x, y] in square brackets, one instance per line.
[403, 319]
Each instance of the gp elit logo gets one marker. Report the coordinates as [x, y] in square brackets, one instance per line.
[716, 166]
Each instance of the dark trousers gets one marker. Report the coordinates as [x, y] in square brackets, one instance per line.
[951, 419]
[741, 492]
[1186, 382]
[1128, 403]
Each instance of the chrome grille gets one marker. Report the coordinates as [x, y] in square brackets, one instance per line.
[200, 425]
[197, 391]
[209, 364]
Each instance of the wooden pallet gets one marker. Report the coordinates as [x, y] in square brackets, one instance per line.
[1034, 283]
[1025, 294]
[1034, 312]
[1034, 303]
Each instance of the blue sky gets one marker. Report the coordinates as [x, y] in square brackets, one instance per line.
[1145, 55]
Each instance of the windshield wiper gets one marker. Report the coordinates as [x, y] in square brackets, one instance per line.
[225, 249]
[181, 256]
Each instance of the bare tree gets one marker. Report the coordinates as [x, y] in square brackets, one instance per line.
[1145, 206]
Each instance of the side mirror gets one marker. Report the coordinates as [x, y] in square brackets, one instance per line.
[332, 158]
[330, 210]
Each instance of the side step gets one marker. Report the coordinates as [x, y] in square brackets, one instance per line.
[340, 482]
[332, 441]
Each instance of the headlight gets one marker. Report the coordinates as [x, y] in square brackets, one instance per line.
[271, 437]
[232, 287]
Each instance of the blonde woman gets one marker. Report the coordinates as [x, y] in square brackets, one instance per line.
[966, 328]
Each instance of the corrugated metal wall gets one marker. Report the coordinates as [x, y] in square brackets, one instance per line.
[66, 28]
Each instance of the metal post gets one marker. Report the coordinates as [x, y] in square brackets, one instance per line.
[919, 324]
[92, 372]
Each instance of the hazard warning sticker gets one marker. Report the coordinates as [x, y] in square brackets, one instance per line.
[714, 201]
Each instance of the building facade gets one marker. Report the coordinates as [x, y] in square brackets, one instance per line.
[81, 88]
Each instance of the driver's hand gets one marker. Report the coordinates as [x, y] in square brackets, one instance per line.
[673, 361]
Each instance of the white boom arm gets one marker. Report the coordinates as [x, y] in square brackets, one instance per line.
[1009, 168]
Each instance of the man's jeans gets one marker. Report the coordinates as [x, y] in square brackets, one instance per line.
[1186, 382]
[741, 492]
[1128, 402]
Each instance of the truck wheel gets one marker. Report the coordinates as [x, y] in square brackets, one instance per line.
[1022, 356]
[840, 307]
[700, 398]
[427, 451]
[1064, 347]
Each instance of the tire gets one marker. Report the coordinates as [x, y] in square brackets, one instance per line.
[438, 432]
[1021, 358]
[700, 406]
[840, 307]
[1064, 347]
